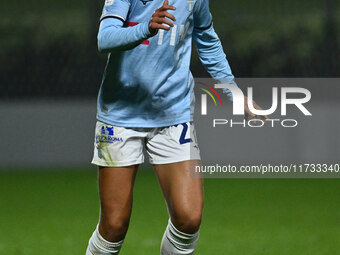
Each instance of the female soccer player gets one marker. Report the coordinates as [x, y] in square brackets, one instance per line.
[146, 102]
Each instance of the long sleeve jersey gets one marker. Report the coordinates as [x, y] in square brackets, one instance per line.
[147, 80]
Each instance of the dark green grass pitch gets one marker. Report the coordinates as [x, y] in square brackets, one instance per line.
[49, 213]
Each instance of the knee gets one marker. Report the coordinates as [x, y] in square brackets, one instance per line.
[114, 229]
[187, 222]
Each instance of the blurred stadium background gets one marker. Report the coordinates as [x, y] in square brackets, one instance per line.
[49, 48]
[50, 73]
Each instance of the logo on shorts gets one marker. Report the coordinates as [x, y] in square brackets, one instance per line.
[145, 1]
[107, 130]
[107, 135]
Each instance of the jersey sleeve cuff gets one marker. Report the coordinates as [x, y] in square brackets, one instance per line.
[227, 80]
[145, 29]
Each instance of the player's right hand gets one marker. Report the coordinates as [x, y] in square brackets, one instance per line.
[162, 17]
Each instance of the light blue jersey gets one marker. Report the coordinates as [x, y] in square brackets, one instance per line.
[147, 81]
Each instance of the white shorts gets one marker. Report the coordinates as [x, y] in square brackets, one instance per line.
[119, 146]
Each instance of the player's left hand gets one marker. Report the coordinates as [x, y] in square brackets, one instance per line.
[248, 113]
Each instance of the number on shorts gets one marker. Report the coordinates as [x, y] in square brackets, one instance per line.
[182, 139]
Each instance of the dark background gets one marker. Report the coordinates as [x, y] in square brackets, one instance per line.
[48, 48]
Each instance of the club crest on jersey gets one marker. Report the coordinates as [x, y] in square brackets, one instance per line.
[190, 5]
[145, 1]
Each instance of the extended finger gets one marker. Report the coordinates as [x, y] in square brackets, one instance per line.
[164, 20]
[159, 26]
[264, 117]
[167, 7]
[164, 27]
[249, 112]
[168, 15]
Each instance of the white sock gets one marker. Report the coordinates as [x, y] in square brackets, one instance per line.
[99, 246]
[176, 242]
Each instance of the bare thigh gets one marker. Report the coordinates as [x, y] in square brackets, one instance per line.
[116, 196]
